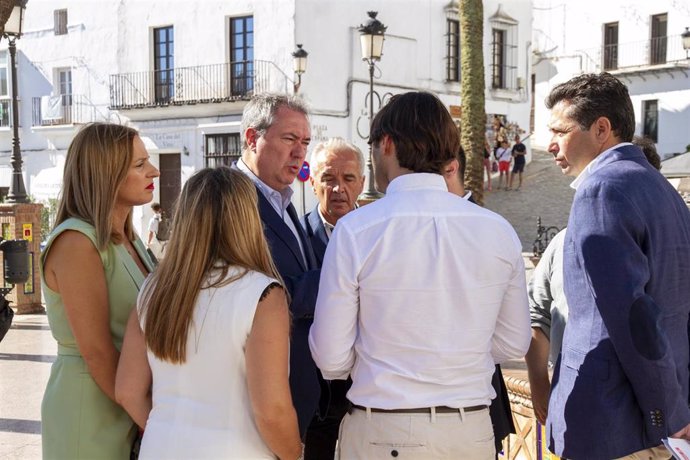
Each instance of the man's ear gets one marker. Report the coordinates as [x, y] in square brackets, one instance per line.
[387, 145]
[602, 129]
[251, 136]
[451, 169]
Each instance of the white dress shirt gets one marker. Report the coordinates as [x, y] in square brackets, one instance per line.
[421, 293]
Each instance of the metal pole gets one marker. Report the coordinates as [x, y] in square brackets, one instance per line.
[17, 192]
[371, 193]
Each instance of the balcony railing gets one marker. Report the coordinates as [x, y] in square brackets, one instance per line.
[65, 109]
[196, 85]
[647, 53]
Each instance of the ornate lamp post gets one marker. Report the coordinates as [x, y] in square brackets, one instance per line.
[299, 59]
[686, 41]
[371, 37]
[12, 31]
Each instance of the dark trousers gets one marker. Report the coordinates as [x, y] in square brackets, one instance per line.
[501, 415]
[322, 434]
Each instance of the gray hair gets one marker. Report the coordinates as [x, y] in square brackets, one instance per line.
[260, 111]
[334, 144]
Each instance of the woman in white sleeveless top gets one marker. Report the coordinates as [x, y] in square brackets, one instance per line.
[204, 366]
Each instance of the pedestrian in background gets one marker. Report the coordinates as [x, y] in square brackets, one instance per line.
[503, 156]
[518, 153]
[91, 271]
[621, 384]
[204, 366]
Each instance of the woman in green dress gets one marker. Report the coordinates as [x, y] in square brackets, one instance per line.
[91, 271]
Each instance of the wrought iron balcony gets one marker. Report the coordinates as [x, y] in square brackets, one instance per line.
[226, 82]
[654, 52]
[65, 109]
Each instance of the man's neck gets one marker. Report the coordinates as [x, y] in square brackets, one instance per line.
[326, 217]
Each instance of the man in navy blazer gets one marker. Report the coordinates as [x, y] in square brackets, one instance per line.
[276, 133]
[621, 382]
[337, 179]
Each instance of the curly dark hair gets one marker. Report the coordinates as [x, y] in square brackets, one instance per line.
[597, 95]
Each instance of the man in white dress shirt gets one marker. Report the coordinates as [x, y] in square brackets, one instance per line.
[421, 293]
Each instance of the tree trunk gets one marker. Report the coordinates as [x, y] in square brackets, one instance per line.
[473, 123]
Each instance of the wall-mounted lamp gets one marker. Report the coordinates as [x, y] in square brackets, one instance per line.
[299, 60]
[686, 41]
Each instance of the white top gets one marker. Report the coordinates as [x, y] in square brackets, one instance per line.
[153, 223]
[503, 154]
[421, 293]
[201, 409]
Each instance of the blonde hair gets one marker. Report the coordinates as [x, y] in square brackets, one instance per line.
[96, 165]
[216, 220]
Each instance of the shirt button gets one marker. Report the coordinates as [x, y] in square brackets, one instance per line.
[394, 453]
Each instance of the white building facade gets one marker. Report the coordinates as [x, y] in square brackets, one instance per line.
[638, 41]
[181, 73]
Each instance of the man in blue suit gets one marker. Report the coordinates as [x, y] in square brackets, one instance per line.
[275, 133]
[337, 179]
[621, 383]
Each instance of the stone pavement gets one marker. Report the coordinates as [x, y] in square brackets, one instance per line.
[26, 354]
[545, 192]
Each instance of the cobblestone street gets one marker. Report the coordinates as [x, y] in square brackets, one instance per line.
[545, 192]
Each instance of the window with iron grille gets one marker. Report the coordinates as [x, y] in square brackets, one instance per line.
[498, 57]
[611, 46]
[453, 50]
[242, 55]
[163, 64]
[657, 40]
[222, 149]
[504, 57]
[60, 22]
[650, 127]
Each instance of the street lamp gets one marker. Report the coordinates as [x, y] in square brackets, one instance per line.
[686, 41]
[371, 37]
[12, 31]
[299, 60]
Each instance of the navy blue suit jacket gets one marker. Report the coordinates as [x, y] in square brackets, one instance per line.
[621, 382]
[316, 233]
[302, 282]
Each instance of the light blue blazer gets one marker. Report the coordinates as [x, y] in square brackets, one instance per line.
[621, 382]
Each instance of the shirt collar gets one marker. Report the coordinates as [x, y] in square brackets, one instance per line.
[327, 225]
[278, 199]
[467, 195]
[594, 165]
[415, 181]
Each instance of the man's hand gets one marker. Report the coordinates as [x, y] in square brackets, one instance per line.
[684, 433]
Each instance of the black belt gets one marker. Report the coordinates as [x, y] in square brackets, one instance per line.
[423, 410]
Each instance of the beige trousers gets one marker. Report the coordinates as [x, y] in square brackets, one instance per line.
[376, 435]
[653, 453]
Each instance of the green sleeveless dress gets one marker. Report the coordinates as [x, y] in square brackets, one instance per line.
[78, 420]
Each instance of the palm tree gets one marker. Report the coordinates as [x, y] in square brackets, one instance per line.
[472, 93]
